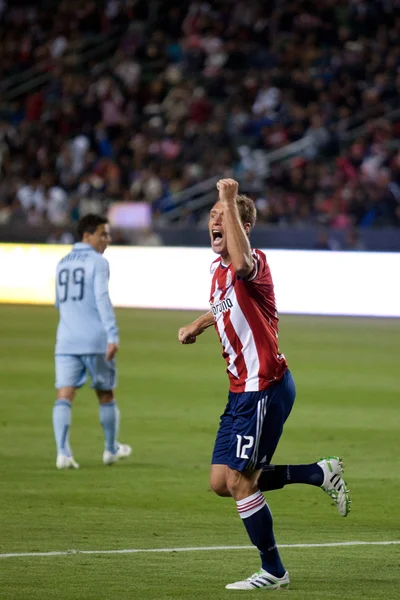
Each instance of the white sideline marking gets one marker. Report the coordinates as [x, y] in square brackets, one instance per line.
[198, 549]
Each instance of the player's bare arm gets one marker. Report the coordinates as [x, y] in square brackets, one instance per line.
[237, 239]
[189, 333]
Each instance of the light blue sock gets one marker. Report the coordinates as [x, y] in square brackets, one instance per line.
[117, 423]
[68, 450]
[109, 423]
[61, 425]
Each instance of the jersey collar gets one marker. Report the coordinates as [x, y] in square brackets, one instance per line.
[82, 246]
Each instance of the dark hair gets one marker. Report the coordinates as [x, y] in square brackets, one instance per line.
[89, 224]
[247, 210]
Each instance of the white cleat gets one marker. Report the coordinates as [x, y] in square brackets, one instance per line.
[124, 450]
[66, 462]
[261, 579]
[334, 484]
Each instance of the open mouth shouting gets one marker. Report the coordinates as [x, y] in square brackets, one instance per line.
[216, 238]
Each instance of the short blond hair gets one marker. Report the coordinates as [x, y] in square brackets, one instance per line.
[247, 210]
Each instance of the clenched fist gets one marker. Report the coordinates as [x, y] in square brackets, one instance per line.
[228, 190]
[186, 335]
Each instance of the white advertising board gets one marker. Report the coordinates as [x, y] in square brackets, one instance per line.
[306, 282]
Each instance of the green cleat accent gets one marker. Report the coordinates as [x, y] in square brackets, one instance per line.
[334, 485]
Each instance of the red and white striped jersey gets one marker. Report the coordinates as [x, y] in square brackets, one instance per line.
[246, 321]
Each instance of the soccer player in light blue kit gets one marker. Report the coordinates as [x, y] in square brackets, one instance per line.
[87, 339]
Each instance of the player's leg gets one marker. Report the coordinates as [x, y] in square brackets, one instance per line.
[103, 374]
[275, 477]
[220, 456]
[62, 417]
[70, 374]
[257, 519]
[218, 480]
[248, 452]
[326, 473]
[109, 419]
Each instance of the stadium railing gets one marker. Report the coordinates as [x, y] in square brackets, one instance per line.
[95, 47]
[202, 194]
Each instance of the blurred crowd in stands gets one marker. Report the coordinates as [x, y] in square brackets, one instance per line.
[139, 100]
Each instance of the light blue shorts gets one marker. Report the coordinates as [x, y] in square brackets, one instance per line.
[71, 370]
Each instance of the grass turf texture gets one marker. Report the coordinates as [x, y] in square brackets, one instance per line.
[347, 377]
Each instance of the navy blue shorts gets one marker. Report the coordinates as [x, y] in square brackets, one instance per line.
[252, 424]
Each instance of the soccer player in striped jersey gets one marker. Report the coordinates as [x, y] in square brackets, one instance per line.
[262, 390]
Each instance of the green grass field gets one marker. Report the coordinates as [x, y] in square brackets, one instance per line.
[347, 375]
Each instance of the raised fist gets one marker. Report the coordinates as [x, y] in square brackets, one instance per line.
[228, 189]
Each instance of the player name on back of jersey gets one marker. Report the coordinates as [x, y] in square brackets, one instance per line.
[81, 256]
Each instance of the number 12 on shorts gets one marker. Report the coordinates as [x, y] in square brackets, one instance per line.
[244, 443]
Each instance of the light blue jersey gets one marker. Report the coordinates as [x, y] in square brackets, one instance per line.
[87, 320]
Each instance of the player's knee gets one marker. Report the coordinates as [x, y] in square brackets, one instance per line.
[234, 481]
[105, 396]
[218, 485]
[66, 393]
[240, 485]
